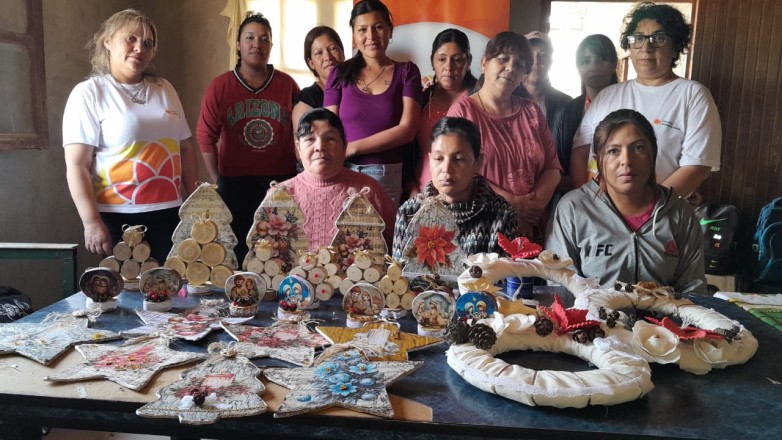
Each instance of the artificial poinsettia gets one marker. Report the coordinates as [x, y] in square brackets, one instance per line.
[685, 333]
[566, 320]
[433, 245]
[520, 248]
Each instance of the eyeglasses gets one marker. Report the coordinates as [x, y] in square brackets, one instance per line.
[656, 40]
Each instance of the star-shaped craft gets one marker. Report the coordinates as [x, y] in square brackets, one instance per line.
[190, 327]
[131, 365]
[396, 344]
[46, 341]
[346, 379]
[220, 387]
[290, 342]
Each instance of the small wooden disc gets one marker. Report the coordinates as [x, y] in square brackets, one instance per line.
[335, 281]
[393, 301]
[204, 231]
[263, 253]
[110, 263]
[150, 264]
[122, 251]
[277, 280]
[394, 272]
[212, 254]
[345, 285]
[177, 264]
[133, 235]
[219, 275]
[406, 301]
[197, 273]
[331, 269]
[273, 267]
[372, 275]
[354, 273]
[189, 250]
[400, 286]
[385, 285]
[130, 269]
[308, 261]
[298, 271]
[316, 276]
[255, 265]
[141, 251]
[363, 261]
[324, 291]
[325, 255]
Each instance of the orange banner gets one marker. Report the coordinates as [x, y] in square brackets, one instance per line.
[487, 18]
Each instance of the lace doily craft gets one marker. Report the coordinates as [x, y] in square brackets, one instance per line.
[225, 385]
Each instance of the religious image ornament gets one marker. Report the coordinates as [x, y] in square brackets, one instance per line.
[345, 379]
[363, 302]
[158, 286]
[225, 385]
[433, 310]
[295, 295]
[190, 326]
[287, 341]
[244, 290]
[101, 286]
[46, 341]
[476, 305]
[131, 365]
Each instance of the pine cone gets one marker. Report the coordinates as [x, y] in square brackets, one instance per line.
[595, 332]
[476, 272]
[457, 332]
[602, 314]
[543, 326]
[482, 336]
[580, 336]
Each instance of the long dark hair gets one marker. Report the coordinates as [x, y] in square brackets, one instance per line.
[459, 38]
[252, 17]
[312, 35]
[603, 48]
[462, 127]
[610, 125]
[350, 71]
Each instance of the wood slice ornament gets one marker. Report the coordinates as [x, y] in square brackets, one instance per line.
[331, 269]
[150, 263]
[204, 230]
[359, 228]
[158, 286]
[212, 254]
[203, 199]
[189, 251]
[122, 251]
[244, 291]
[101, 286]
[324, 291]
[433, 246]
[354, 273]
[433, 310]
[263, 250]
[220, 275]
[197, 273]
[385, 285]
[326, 255]
[133, 235]
[177, 264]
[308, 260]
[256, 265]
[371, 274]
[110, 263]
[130, 269]
[280, 222]
[362, 302]
[141, 252]
[316, 276]
[406, 300]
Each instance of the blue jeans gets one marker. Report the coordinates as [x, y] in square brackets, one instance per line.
[389, 176]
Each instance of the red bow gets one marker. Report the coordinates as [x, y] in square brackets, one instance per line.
[520, 248]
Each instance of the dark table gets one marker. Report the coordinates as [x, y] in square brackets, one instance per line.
[735, 403]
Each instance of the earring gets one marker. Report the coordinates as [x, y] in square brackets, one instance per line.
[391, 40]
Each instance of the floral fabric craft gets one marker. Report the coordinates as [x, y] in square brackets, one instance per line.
[359, 228]
[190, 327]
[290, 342]
[346, 380]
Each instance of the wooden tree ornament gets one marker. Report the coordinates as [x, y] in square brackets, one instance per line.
[359, 228]
[131, 256]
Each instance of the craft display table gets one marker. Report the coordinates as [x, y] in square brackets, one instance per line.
[739, 402]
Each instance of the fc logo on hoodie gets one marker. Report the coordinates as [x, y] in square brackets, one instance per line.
[599, 250]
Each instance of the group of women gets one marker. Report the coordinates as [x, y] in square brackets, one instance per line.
[485, 147]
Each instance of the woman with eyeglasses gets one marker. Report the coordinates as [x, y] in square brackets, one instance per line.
[682, 112]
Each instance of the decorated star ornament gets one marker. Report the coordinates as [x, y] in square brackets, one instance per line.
[225, 385]
[190, 327]
[287, 341]
[132, 364]
[46, 341]
[345, 379]
[392, 344]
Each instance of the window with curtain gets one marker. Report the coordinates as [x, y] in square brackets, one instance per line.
[23, 122]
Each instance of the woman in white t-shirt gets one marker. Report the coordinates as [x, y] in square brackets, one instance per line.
[682, 112]
[128, 149]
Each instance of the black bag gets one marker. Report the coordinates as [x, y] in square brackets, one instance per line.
[13, 304]
[720, 225]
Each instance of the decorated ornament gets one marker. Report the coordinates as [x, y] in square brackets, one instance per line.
[362, 303]
[101, 286]
[225, 385]
[190, 327]
[359, 228]
[571, 321]
[519, 248]
[391, 343]
[46, 341]
[433, 310]
[287, 341]
[476, 305]
[131, 256]
[131, 365]
[295, 295]
[158, 286]
[433, 247]
[244, 291]
[346, 380]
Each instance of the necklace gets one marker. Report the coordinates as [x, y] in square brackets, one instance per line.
[367, 84]
[134, 96]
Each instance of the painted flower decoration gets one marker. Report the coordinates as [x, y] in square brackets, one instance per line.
[278, 225]
[339, 378]
[363, 368]
[326, 368]
[655, 343]
[433, 245]
[567, 320]
[520, 248]
[343, 389]
[685, 333]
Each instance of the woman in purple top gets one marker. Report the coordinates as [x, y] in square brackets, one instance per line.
[376, 98]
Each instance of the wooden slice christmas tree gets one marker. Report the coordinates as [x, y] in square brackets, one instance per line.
[130, 257]
[359, 228]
